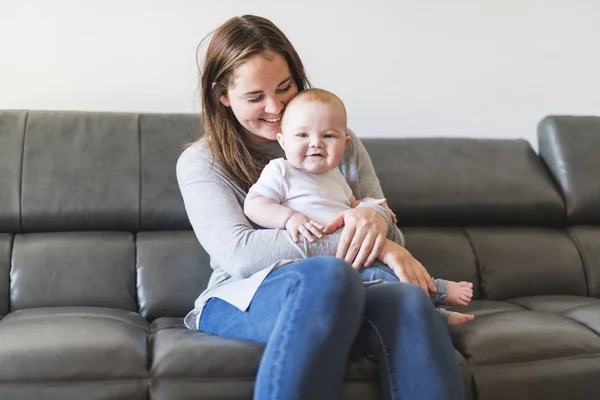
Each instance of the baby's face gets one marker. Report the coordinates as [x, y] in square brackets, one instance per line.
[314, 135]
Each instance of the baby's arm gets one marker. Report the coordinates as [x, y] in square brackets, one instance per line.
[266, 212]
[269, 214]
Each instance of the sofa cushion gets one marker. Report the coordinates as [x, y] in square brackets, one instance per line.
[181, 355]
[12, 129]
[162, 138]
[95, 269]
[81, 171]
[586, 315]
[553, 304]
[515, 262]
[576, 378]
[72, 343]
[134, 389]
[514, 353]
[587, 239]
[462, 182]
[569, 146]
[172, 270]
[523, 336]
[445, 252]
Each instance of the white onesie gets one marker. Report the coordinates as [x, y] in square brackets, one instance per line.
[318, 196]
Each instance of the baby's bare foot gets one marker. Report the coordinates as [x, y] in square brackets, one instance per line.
[458, 318]
[459, 293]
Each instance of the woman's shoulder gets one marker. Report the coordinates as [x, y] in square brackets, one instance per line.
[196, 163]
[354, 150]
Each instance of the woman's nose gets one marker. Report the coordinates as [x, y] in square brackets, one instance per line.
[273, 105]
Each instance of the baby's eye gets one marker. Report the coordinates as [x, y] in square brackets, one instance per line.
[302, 135]
[328, 136]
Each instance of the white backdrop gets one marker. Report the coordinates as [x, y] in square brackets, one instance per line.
[404, 68]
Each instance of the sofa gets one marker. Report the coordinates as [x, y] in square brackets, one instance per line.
[98, 263]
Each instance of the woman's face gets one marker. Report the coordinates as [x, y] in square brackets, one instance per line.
[258, 93]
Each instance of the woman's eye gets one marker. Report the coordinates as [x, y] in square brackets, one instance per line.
[285, 89]
[255, 99]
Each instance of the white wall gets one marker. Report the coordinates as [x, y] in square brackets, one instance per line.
[404, 68]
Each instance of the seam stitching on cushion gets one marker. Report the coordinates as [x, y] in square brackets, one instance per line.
[477, 264]
[594, 355]
[584, 261]
[139, 135]
[12, 250]
[21, 177]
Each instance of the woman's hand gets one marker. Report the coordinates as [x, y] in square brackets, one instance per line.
[363, 236]
[299, 222]
[406, 267]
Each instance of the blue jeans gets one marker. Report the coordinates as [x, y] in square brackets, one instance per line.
[379, 270]
[310, 313]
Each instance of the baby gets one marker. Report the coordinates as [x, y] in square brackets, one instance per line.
[305, 191]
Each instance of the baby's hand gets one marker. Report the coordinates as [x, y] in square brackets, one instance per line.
[383, 203]
[307, 227]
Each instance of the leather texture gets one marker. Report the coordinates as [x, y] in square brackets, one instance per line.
[98, 264]
[446, 253]
[568, 145]
[171, 267]
[88, 343]
[516, 262]
[587, 239]
[80, 172]
[12, 131]
[93, 269]
[162, 138]
[465, 182]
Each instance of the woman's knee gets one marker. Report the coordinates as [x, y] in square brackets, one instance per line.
[333, 277]
[403, 297]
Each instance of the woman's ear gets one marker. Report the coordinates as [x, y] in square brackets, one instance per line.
[223, 99]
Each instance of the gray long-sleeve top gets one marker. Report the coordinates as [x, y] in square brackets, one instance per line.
[241, 255]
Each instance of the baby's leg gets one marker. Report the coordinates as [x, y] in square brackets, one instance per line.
[376, 271]
[454, 318]
[452, 293]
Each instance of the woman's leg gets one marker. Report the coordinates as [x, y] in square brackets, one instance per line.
[309, 314]
[405, 333]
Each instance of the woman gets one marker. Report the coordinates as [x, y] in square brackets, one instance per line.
[306, 305]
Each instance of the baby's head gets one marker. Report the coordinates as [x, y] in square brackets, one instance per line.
[313, 131]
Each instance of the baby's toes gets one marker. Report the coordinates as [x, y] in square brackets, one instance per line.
[466, 299]
[466, 284]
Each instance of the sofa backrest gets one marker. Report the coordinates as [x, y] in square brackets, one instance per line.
[570, 147]
[91, 215]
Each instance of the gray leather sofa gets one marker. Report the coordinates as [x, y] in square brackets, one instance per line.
[98, 264]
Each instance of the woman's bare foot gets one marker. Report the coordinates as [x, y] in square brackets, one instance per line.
[459, 293]
[458, 318]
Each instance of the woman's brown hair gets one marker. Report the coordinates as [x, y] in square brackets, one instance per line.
[233, 43]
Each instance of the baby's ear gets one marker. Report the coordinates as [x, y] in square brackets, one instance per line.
[348, 140]
[279, 137]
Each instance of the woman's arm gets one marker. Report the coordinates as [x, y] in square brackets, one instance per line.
[212, 203]
[368, 185]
